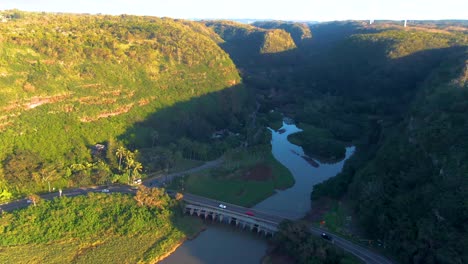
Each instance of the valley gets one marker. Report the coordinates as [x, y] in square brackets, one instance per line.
[378, 111]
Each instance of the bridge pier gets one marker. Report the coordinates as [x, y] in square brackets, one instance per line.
[231, 217]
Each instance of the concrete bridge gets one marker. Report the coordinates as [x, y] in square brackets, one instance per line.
[267, 224]
[242, 217]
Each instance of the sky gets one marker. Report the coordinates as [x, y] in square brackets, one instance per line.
[311, 10]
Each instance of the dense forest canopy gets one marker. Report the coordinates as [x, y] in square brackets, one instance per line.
[399, 95]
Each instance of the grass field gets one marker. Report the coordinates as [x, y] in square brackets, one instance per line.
[247, 177]
[103, 249]
[158, 235]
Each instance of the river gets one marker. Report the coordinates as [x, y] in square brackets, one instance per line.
[221, 243]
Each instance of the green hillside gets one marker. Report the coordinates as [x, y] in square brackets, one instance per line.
[68, 82]
[418, 180]
[402, 94]
[245, 42]
[299, 32]
[397, 95]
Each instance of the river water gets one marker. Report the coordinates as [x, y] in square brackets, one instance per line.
[221, 243]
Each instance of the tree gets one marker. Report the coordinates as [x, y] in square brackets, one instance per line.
[137, 168]
[179, 196]
[152, 197]
[20, 168]
[121, 152]
[35, 199]
[48, 173]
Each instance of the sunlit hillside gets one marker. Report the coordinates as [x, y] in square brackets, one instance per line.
[68, 82]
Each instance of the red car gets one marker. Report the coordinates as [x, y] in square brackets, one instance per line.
[249, 213]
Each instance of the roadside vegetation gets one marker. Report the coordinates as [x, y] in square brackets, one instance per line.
[295, 240]
[96, 228]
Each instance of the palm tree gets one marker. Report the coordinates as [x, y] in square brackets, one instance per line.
[137, 168]
[121, 152]
[130, 162]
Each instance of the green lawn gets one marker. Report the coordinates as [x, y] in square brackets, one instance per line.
[228, 182]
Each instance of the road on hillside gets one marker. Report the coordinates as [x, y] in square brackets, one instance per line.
[154, 182]
[160, 180]
[362, 253]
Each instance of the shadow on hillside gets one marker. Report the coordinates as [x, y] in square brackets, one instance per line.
[331, 63]
[201, 128]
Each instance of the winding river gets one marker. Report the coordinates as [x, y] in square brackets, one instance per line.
[221, 243]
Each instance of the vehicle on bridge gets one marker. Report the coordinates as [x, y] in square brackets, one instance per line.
[249, 213]
[222, 206]
[326, 236]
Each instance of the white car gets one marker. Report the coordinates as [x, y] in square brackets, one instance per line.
[137, 181]
[105, 191]
[222, 206]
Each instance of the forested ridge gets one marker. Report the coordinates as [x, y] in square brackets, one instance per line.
[397, 94]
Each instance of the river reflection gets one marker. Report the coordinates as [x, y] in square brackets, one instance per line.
[294, 202]
[225, 244]
[221, 243]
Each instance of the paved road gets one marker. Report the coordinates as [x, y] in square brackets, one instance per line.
[362, 253]
[257, 214]
[21, 203]
[154, 182]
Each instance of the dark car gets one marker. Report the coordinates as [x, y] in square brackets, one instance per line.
[249, 213]
[325, 236]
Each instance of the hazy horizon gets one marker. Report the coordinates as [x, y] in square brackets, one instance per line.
[293, 10]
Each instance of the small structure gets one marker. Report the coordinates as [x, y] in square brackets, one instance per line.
[98, 149]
